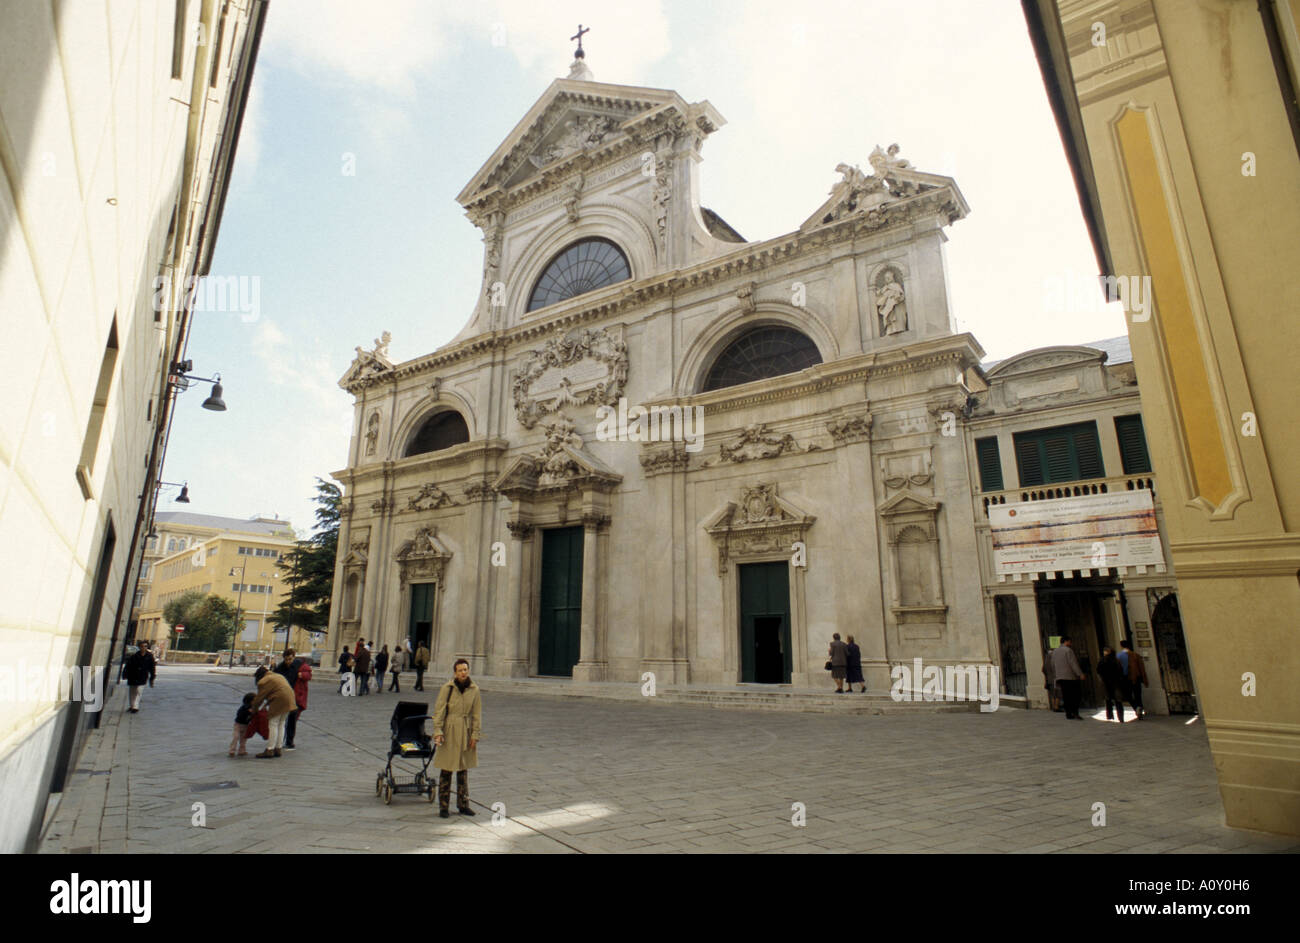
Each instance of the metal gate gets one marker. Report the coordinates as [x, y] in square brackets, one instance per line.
[1171, 651]
[1011, 644]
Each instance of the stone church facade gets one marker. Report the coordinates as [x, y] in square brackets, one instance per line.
[798, 467]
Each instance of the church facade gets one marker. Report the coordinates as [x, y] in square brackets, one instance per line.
[659, 447]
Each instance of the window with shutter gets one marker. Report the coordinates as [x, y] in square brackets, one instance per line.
[1059, 454]
[990, 463]
[1132, 445]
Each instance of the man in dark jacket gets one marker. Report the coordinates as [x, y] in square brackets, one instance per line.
[288, 668]
[140, 669]
[363, 667]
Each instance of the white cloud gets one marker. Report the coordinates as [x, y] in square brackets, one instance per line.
[390, 46]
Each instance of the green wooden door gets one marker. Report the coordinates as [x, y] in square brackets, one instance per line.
[420, 627]
[765, 655]
[559, 636]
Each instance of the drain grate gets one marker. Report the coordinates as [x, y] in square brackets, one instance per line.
[205, 787]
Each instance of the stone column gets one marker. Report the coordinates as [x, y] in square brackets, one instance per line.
[514, 654]
[591, 662]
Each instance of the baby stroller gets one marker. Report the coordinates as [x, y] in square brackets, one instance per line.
[409, 741]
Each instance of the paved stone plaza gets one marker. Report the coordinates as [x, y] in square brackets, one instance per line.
[589, 775]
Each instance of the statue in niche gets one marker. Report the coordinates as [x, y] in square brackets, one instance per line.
[891, 303]
[372, 433]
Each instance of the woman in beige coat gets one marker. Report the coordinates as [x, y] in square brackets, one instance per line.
[457, 729]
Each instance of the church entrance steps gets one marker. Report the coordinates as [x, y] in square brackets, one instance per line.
[750, 697]
[732, 697]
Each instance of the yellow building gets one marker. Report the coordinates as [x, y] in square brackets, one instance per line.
[1181, 125]
[118, 129]
[214, 554]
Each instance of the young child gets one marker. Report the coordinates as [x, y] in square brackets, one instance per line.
[242, 719]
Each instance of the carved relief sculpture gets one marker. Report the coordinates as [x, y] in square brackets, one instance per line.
[555, 375]
[756, 442]
[429, 498]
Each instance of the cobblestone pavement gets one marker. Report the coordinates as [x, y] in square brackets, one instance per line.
[584, 775]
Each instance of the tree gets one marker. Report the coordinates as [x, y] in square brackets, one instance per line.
[310, 567]
[209, 621]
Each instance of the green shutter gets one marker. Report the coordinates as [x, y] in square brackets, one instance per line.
[1027, 460]
[1088, 451]
[1059, 454]
[1132, 445]
[990, 463]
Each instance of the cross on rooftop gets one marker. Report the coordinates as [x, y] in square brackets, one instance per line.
[579, 54]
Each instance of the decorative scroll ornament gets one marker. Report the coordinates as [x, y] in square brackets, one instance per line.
[847, 429]
[480, 490]
[429, 498]
[588, 368]
[756, 442]
[383, 505]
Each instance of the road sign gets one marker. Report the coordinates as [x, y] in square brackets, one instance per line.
[180, 628]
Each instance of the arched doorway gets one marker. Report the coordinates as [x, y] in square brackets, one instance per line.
[1171, 651]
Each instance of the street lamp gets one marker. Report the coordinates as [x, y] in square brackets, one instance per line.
[184, 496]
[181, 379]
[238, 608]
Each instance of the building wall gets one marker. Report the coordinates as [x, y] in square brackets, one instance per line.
[177, 574]
[98, 162]
[1196, 169]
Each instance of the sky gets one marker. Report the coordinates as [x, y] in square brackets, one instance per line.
[366, 119]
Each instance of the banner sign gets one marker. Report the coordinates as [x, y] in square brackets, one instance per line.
[1090, 532]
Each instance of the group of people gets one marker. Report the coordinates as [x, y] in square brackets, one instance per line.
[355, 667]
[283, 693]
[845, 664]
[1123, 674]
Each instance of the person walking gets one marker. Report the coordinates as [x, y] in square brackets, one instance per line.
[1068, 674]
[346, 677]
[397, 666]
[457, 729]
[381, 669]
[275, 693]
[1135, 674]
[362, 667]
[1112, 676]
[140, 669]
[421, 665]
[853, 668]
[288, 669]
[243, 717]
[1049, 681]
[839, 654]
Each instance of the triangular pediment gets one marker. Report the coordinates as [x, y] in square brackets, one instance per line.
[562, 468]
[759, 508]
[356, 557]
[424, 545]
[366, 364]
[858, 193]
[908, 502]
[575, 117]
[1045, 358]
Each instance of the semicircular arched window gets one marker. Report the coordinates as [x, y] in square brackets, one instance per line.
[440, 431]
[582, 267]
[759, 354]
